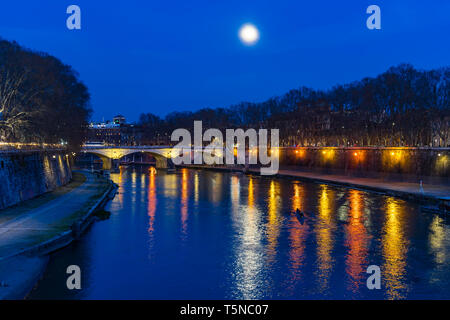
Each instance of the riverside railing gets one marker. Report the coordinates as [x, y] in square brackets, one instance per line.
[13, 147]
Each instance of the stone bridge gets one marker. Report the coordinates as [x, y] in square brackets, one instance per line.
[108, 154]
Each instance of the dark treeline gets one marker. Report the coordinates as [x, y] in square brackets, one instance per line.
[41, 99]
[401, 107]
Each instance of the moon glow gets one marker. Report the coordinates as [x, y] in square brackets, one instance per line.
[249, 34]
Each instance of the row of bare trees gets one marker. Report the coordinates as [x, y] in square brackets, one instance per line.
[401, 107]
[41, 99]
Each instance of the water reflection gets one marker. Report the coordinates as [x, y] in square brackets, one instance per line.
[151, 208]
[134, 192]
[273, 220]
[357, 242]
[251, 196]
[394, 249]
[437, 240]
[235, 192]
[249, 261]
[298, 234]
[170, 185]
[196, 188]
[325, 239]
[118, 179]
[439, 244]
[215, 187]
[143, 178]
[243, 242]
[297, 197]
[184, 201]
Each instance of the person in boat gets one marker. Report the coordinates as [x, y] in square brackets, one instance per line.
[299, 213]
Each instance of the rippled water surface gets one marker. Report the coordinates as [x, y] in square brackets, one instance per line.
[212, 235]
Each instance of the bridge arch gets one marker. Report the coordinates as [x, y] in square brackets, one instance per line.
[109, 154]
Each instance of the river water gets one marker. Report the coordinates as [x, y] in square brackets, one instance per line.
[212, 235]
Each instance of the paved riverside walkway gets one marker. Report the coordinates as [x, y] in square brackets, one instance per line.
[36, 221]
[25, 229]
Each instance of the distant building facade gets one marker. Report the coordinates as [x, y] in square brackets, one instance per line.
[115, 132]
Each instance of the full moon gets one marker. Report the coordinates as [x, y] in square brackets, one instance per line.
[249, 34]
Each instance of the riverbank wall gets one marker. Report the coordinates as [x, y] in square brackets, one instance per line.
[33, 260]
[25, 175]
[405, 162]
[78, 228]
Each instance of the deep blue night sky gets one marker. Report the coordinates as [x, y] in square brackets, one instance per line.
[162, 56]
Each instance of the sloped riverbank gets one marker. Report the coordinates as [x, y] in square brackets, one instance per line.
[28, 238]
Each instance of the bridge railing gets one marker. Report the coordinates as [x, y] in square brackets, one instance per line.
[125, 147]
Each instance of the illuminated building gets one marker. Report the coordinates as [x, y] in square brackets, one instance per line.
[116, 132]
